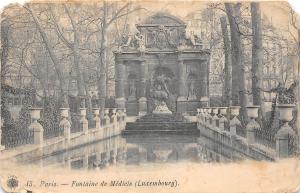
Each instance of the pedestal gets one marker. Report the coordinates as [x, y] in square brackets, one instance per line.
[120, 102]
[142, 106]
[181, 104]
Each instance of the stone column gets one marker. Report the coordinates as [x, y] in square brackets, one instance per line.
[142, 99]
[36, 127]
[182, 95]
[120, 82]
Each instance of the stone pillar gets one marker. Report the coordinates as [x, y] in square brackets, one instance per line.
[97, 118]
[36, 127]
[223, 120]
[65, 124]
[142, 99]
[215, 117]
[285, 133]
[85, 162]
[83, 121]
[182, 95]
[252, 112]
[107, 122]
[235, 121]
[120, 82]
[113, 157]
[120, 123]
[114, 121]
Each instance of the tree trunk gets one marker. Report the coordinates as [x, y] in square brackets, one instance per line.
[103, 59]
[298, 94]
[238, 73]
[257, 57]
[53, 57]
[227, 67]
[77, 58]
[4, 47]
[80, 82]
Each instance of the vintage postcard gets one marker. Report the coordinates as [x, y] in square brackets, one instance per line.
[152, 96]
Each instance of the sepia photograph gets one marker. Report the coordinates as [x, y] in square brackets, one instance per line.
[183, 96]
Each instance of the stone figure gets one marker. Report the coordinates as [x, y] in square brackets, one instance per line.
[133, 41]
[132, 90]
[192, 90]
[160, 94]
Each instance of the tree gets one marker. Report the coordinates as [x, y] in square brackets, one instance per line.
[228, 64]
[52, 55]
[257, 56]
[238, 76]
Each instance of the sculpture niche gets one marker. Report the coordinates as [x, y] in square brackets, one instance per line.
[160, 94]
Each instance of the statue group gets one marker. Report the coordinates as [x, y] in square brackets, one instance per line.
[160, 93]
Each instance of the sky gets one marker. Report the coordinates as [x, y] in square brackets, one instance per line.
[295, 3]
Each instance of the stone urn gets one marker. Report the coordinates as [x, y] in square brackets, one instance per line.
[96, 111]
[223, 111]
[64, 112]
[235, 110]
[285, 112]
[35, 113]
[252, 111]
[82, 112]
[215, 110]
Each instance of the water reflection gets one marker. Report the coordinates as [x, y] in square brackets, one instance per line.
[142, 149]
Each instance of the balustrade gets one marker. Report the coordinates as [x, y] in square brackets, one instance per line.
[284, 142]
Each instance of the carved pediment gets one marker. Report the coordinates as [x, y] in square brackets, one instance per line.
[159, 32]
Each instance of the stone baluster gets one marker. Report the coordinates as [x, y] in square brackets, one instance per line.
[234, 122]
[285, 133]
[252, 112]
[36, 127]
[215, 117]
[83, 121]
[97, 118]
[223, 120]
[65, 124]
